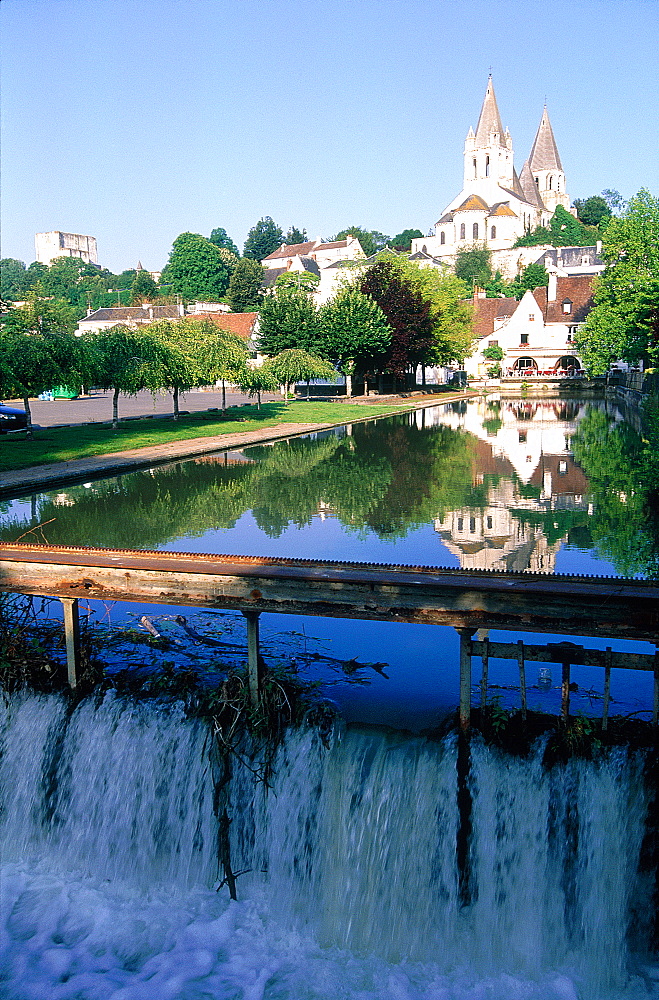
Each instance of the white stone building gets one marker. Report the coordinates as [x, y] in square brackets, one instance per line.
[323, 259]
[50, 246]
[496, 205]
[535, 334]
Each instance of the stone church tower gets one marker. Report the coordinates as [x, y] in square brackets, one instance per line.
[496, 206]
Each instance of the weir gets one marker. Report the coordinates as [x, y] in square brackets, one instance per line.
[466, 600]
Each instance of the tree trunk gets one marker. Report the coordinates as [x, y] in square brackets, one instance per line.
[175, 394]
[224, 396]
[348, 386]
[258, 400]
[115, 409]
[28, 414]
[423, 376]
[307, 390]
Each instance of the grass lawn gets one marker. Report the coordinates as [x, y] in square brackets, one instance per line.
[67, 443]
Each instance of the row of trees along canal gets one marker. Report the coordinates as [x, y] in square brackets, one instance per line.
[385, 320]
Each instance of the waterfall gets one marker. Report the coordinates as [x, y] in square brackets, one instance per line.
[349, 884]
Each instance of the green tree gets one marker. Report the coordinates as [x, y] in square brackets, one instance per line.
[624, 323]
[408, 313]
[614, 200]
[497, 287]
[404, 240]
[295, 235]
[450, 312]
[196, 268]
[223, 356]
[305, 280]
[220, 238]
[254, 381]
[246, 286]
[143, 288]
[533, 276]
[14, 280]
[472, 265]
[125, 361]
[354, 332]
[263, 239]
[293, 366]
[179, 357]
[40, 315]
[288, 320]
[36, 361]
[370, 240]
[592, 211]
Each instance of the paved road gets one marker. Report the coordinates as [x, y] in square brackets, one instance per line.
[97, 407]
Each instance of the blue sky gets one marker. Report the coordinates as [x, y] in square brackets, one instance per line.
[136, 120]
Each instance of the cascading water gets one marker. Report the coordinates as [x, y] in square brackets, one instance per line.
[351, 885]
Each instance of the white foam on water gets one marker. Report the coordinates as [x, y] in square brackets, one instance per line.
[109, 867]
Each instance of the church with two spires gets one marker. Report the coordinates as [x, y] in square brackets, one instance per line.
[496, 205]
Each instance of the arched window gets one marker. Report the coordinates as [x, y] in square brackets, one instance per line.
[442, 239]
[551, 181]
[475, 230]
[475, 169]
[424, 248]
[487, 166]
[493, 233]
[463, 231]
[537, 182]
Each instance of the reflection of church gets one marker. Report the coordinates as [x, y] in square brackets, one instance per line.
[522, 457]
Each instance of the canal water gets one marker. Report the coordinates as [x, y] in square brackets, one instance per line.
[350, 884]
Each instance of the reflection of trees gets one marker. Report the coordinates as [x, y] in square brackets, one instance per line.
[618, 463]
[387, 478]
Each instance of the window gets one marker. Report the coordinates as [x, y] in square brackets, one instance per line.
[472, 524]
[489, 522]
[551, 181]
[524, 339]
[493, 343]
[522, 437]
[463, 231]
[562, 468]
[442, 238]
[475, 230]
[531, 317]
[493, 233]
[567, 306]
[537, 182]
[424, 248]
[460, 524]
[487, 166]
[571, 330]
[475, 170]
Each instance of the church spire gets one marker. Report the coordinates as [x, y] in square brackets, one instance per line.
[490, 119]
[544, 152]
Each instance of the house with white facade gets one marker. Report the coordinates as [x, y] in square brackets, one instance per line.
[132, 316]
[535, 334]
[323, 259]
[496, 205]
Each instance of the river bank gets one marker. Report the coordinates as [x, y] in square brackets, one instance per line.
[24, 476]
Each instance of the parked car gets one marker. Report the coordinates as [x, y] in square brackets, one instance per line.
[12, 419]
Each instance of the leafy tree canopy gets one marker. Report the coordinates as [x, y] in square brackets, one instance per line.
[354, 330]
[14, 280]
[220, 238]
[563, 231]
[245, 286]
[370, 241]
[533, 276]
[593, 211]
[143, 288]
[288, 320]
[34, 361]
[624, 323]
[196, 268]
[404, 240]
[263, 239]
[451, 314]
[298, 366]
[472, 265]
[408, 314]
[306, 280]
[295, 235]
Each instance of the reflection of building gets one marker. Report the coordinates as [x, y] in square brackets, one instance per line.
[50, 246]
[522, 460]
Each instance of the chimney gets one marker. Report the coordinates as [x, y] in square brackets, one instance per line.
[553, 286]
[598, 247]
[150, 308]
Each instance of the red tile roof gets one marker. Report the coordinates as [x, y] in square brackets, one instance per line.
[240, 323]
[304, 249]
[578, 288]
[487, 310]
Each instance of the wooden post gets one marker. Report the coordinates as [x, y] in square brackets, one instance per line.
[565, 692]
[465, 678]
[522, 676]
[72, 636]
[253, 668]
[486, 665]
[607, 688]
[655, 706]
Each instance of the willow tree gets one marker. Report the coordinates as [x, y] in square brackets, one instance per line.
[294, 366]
[222, 355]
[125, 361]
[254, 381]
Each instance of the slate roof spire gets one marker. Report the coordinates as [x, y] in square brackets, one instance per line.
[544, 152]
[490, 119]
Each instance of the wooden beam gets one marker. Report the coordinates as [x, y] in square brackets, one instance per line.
[253, 664]
[465, 678]
[607, 688]
[72, 637]
[522, 676]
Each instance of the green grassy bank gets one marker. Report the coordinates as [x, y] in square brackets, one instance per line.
[64, 444]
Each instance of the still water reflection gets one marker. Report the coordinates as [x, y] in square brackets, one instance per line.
[507, 484]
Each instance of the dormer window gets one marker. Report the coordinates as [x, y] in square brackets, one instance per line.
[567, 306]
